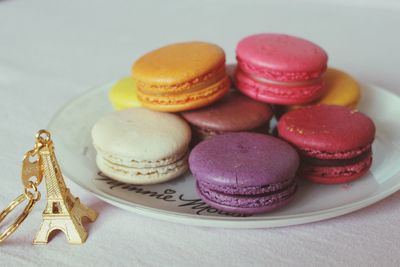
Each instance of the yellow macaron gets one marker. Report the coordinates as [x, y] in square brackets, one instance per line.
[340, 89]
[123, 94]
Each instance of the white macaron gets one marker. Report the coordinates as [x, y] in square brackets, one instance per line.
[141, 146]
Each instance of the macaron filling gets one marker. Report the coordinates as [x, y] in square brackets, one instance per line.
[187, 87]
[154, 167]
[284, 83]
[204, 133]
[250, 200]
[353, 169]
[277, 93]
[308, 87]
[247, 190]
[278, 75]
[219, 88]
[337, 161]
[318, 154]
[133, 163]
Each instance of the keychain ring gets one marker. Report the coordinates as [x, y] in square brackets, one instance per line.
[14, 226]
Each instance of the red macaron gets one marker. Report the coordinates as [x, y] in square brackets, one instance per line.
[334, 142]
[280, 69]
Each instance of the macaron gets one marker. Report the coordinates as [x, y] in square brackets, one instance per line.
[181, 76]
[280, 69]
[123, 94]
[340, 89]
[141, 146]
[233, 113]
[245, 173]
[334, 142]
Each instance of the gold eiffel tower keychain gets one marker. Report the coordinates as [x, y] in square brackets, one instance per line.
[63, 211]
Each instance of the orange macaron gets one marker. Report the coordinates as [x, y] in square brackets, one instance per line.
[181, 76]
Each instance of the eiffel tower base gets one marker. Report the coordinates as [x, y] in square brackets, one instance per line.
[71, 226]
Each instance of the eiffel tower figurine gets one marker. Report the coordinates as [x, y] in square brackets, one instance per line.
[63, 211]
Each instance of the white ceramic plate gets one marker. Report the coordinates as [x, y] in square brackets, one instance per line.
[177, 200]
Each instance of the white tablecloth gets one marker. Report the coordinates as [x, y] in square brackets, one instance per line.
[52, 51]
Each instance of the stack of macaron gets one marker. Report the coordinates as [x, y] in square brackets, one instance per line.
[182, 110]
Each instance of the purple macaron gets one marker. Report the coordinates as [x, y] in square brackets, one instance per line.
[246, 173]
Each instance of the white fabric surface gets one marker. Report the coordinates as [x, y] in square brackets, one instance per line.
[52, 51]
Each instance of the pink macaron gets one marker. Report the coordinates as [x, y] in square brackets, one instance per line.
[280, 69]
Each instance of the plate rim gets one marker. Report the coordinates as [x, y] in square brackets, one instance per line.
[232, 222]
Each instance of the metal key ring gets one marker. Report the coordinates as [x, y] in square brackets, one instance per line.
[14, 226]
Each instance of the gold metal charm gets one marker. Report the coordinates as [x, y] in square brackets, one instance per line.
[63, 211]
